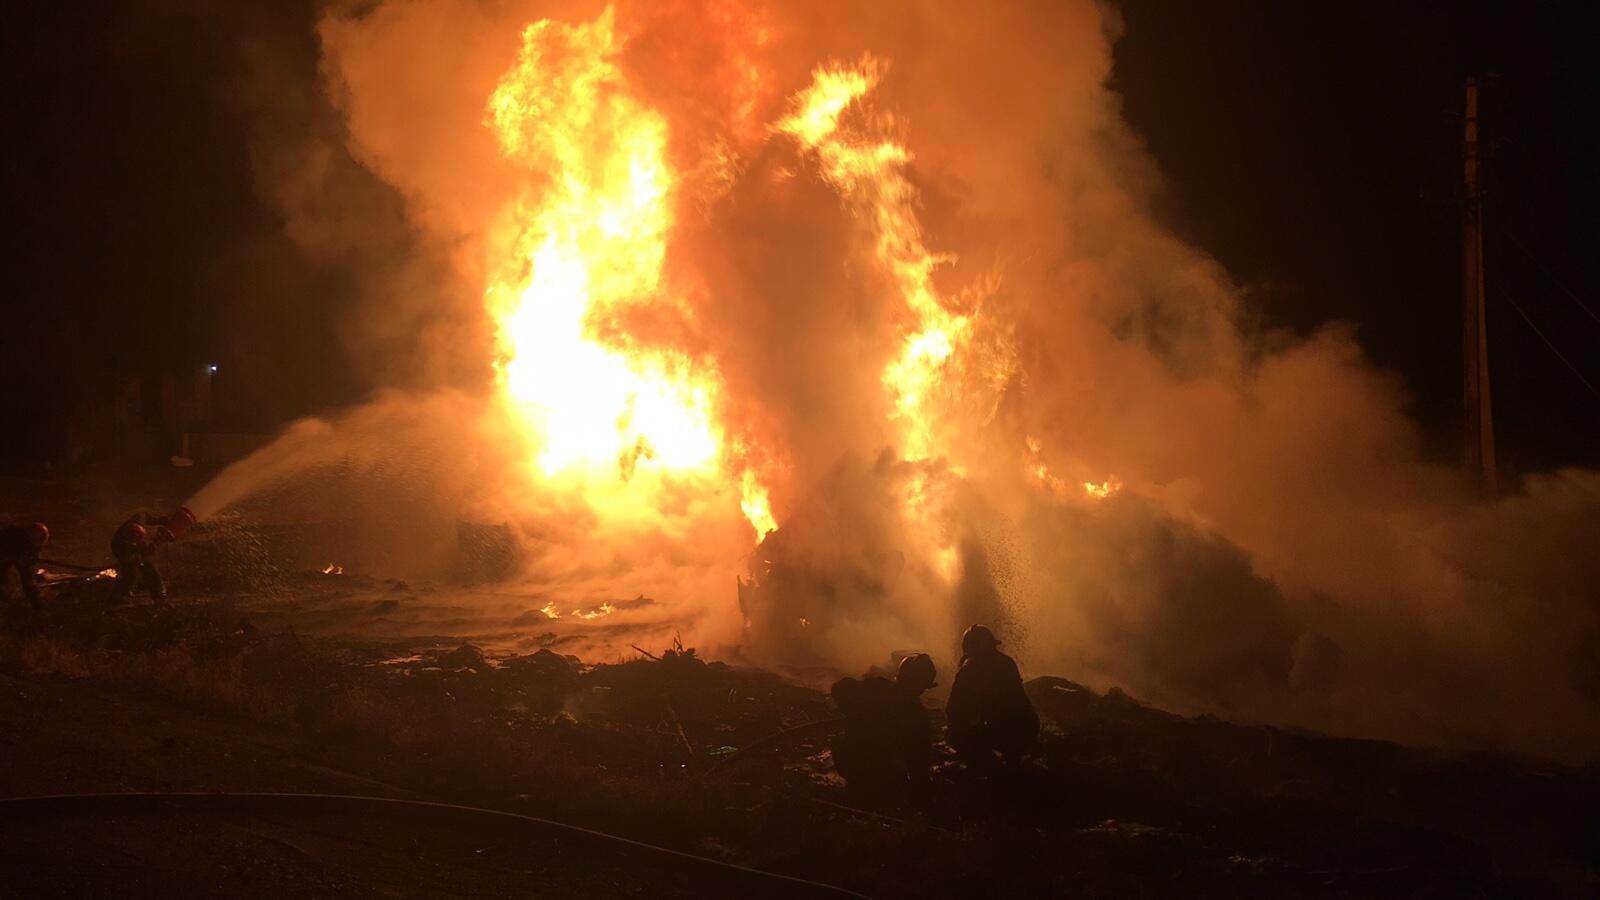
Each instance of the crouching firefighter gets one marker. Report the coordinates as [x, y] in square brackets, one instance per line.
[134, 546]
[19, 550]
[886, 749]
[991, 719]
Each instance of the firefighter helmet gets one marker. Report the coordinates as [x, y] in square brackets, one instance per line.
[978, 638]
[38, 534]
[917, 673]
[180, 521]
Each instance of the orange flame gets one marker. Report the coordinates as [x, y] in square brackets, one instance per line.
[757, 506]
[1103, 489]
[589, 242]
[870, 172]
[584, 248]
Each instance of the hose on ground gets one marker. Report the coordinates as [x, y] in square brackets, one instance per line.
[74, 567]
[93, 801]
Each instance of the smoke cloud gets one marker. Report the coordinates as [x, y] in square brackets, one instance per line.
[1279, 550]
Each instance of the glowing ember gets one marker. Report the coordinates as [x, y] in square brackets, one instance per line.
[1040, 471]
[331, 569]
[1104, 489]
[604, 609]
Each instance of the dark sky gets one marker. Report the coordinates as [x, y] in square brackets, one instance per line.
[1313, 148]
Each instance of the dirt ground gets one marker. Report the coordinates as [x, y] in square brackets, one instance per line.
[63, 736]
[351, 685]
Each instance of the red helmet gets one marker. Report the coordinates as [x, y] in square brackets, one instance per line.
[163, 533]
[179, 522]
[134, 531]
[39, 534]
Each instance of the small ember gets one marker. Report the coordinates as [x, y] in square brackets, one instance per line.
[1104, 489]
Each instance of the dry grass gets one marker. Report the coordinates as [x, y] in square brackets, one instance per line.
[218, 685]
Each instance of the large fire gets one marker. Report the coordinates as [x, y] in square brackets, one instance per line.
[591, 239]
[618, 418]
[717, 247]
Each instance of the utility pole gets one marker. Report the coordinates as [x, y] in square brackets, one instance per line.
[1479, 425]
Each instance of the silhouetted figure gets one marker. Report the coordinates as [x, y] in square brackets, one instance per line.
[991, 719]
[19, 550]
[134, 546]
[886, 748]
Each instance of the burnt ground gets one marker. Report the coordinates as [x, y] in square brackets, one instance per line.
[305, 683]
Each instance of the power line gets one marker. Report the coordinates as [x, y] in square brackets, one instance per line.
[1571, 294]
[1552, 347]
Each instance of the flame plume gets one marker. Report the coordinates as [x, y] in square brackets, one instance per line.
[590, 241]
[870, 172]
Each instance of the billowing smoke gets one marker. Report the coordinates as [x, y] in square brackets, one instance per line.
[1277, 549]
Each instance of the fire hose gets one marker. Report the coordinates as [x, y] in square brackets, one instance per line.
[85, 574]
[221, 800]
[73, 567]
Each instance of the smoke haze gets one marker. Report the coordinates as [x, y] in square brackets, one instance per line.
[1279, 550]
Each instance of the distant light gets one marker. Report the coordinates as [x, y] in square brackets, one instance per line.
[211, 369]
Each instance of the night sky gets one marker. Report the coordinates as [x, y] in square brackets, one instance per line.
[1312, 148]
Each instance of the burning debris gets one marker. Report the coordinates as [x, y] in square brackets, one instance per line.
[331, 569]
[1103, 489]
[604, 609]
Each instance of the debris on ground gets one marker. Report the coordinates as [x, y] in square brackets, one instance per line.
[1118, 799]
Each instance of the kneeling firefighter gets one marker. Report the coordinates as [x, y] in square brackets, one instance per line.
[19, 550]
[886, 749]
[991, 719]
[134, 546]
